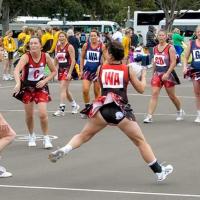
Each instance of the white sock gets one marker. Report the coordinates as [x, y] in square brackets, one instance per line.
[32, 134]
[66, 149]
[198, 112]
[151, 163]
[46, 137]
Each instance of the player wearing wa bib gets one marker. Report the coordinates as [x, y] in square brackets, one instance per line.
[113, 102]
[32, 73]
[92, 61]
[162, 64]
[64, 61]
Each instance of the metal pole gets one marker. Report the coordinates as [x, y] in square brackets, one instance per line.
[128, 13]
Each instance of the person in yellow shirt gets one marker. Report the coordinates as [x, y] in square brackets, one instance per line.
[47, 39]
[126, 42]
[55, 32]
[10, 47]
[21, 37]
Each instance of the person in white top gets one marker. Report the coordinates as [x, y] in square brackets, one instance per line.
[118, 35]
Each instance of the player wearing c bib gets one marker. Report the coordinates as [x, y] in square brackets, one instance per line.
[164, 75]
[193, 71]
[32, 87]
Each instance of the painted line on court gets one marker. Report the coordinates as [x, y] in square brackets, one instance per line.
[101, 191]
[8, 86]
[161, 96]
[69, 111]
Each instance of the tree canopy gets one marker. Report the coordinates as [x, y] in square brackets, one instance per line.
[115, 10]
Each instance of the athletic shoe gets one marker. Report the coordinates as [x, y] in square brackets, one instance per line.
[197, 120]
[4, 173]
[179, 115]
[54, 156]
[10, 77]
[47, 143]
[84, 116]
[31, 140]
[59, 113]
[148, 119]
[75, 109]
[5, 77]
[166, 170]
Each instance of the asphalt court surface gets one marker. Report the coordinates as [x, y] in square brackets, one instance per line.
[109, 166]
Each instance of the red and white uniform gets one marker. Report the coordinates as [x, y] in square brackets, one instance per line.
[64, 61]
[113, 80]
[32, 73]
[162, 62]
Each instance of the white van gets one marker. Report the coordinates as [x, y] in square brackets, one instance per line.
[86, 26]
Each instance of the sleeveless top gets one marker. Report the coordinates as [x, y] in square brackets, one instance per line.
[34, 72]
[195, 51]
[162, 58]
[92, 57]
[63, 57]
[114, 79]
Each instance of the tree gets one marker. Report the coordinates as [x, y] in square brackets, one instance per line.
[172, 9]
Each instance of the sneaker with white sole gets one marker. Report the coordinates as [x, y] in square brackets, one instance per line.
[75, 109]
[180, 115]
[5, 77]
[166, 170]
[32, 140]
[197, 120]
[148, 119]
[54, 156]
[4, 173]
[59, 113]
[84, 116]
[47, 142]
[10, 77]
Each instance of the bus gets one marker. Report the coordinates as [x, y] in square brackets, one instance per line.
[186, 26]
[86, 26]
[142, 20]
[32, 20]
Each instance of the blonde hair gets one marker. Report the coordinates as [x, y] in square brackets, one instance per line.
[176, 30]
[198, 27]
[62, 32]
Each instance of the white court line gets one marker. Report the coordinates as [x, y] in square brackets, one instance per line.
[161, 96]
[101, 191]
[69, 111]
[8, 86]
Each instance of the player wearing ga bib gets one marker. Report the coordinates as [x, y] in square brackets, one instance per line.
[195, 51]
[64, 61]
[92, 61]
[162, 64]
[32, 73]
[193, 71]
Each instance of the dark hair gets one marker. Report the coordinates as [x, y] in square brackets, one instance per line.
[95, 31]
[116, 49]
